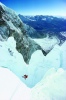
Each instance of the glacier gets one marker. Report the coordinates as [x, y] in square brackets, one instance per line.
[37, 67]
[51, 87]
[46, 74]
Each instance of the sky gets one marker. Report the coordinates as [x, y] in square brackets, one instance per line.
[37, 7]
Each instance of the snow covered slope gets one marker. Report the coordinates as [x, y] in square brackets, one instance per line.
[52, 86]
[11, 88]
[40, 64]
[10, 58]
[63, 56]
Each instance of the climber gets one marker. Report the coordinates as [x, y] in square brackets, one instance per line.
[25, 76]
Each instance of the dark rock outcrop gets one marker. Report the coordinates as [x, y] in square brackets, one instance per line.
[11, 25]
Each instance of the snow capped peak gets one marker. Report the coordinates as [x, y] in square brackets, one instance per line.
[11, 25]
[31, 19]
[2, 4]
[2, 7]
[43, 18]
[7, 9]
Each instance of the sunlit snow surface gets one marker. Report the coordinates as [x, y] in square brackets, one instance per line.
[10, 58]
[52, 86]
[11, 88]
[46, 74]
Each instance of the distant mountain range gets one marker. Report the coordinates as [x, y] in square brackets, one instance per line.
[46, 25]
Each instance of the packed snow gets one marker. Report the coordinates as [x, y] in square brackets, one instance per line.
[46, 74]
[11, 88]
[12, 59]
[52, 86]
[63, 56]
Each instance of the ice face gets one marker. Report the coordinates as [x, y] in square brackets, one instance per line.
[52, 86]
[42, 71]
[38, 65]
